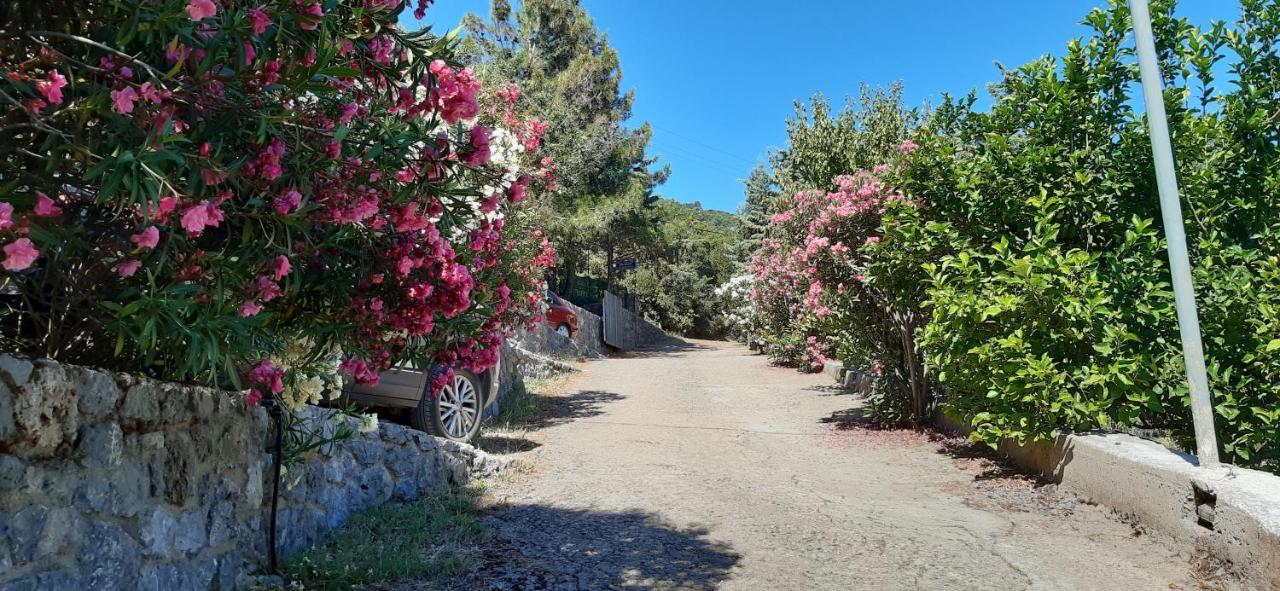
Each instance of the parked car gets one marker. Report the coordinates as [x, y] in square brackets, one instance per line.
[455, 414]
[560, 316]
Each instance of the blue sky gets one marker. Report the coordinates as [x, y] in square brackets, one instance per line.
[717, 78]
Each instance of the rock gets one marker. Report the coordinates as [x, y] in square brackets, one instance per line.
[97, 391]
[180, 463]
[374, 486]
[161, 577]
[101, 444]
[58, 580]
[44, 412]
[190, 534]
[157, 532]
[111, 558]
[31, 583]
[15, 370]
[366, 452]
[7, 427]
[254, 483]
[142, 404]
[38, 531]
[12, 470]
[401, 460]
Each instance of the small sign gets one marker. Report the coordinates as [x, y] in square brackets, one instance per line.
[625, 263]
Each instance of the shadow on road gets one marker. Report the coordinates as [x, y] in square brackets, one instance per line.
[505, 444]
[669, 347]
[538, 547]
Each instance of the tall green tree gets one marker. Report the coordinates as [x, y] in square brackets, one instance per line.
[570, 77]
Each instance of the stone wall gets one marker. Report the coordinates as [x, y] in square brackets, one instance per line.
[115, 482]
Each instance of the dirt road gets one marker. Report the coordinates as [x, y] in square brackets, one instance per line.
[701, 467]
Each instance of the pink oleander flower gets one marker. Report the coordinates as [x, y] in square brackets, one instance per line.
[20, 254]
[267, 374]
[147, 238]
[311, 15]
[199, 10]
[259, 20]
[249, 308]
[200, 216]
[288, 201]
[51, 87]
[908, 147]
[148, 91]
[45, 206]
[479, 155]
[122, 100]
[6, 216]
[280, 267]
[252, 398]
[128, 268]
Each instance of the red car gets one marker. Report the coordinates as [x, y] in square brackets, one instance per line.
[560, 316]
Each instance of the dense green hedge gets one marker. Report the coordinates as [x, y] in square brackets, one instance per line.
[1021, 256]
[1047, 286]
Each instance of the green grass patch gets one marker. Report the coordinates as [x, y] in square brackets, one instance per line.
[521, 408]
[423, 541]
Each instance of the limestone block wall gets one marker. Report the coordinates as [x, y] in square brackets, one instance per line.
[109, 481]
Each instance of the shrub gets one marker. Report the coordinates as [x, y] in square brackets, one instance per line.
[1044, 265]
[248, 193]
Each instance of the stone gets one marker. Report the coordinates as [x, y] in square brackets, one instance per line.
[7, 428]
[97, 391]
[157, 532]
[31, 583]
[405, 490]
[45, 414]
[141, 404]
[366, 452]
[254, 482]
[101, 444]
[12, 470]
[123, 491]
[60, 579]
[175, 405]
[401, 460]
[204, 401]
[374, 486]
[38, 531]
[111, 559]
[190, 534]
[161, 577]
[15, 370]
[179, 467]
[220, 524]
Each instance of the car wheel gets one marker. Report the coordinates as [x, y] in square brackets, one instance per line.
[564, 331]
[455, 412]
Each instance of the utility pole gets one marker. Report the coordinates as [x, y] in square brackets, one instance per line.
[1184, 293]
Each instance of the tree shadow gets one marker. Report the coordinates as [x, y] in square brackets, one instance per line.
[990, 464]
[505, 444]
[558, 410]
[536, 547]
[668, 347]
[830, 390]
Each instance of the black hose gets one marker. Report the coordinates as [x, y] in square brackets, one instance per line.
[277, 416]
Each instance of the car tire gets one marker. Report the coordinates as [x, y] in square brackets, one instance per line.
[455, 413]
[564, 331]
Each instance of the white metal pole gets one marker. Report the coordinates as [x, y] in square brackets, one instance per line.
[1184, 293]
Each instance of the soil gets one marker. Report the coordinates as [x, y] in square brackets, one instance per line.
[699, 466]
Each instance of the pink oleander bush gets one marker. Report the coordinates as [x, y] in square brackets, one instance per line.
[247, 193]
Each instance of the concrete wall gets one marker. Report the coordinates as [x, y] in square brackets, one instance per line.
[115, 482]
